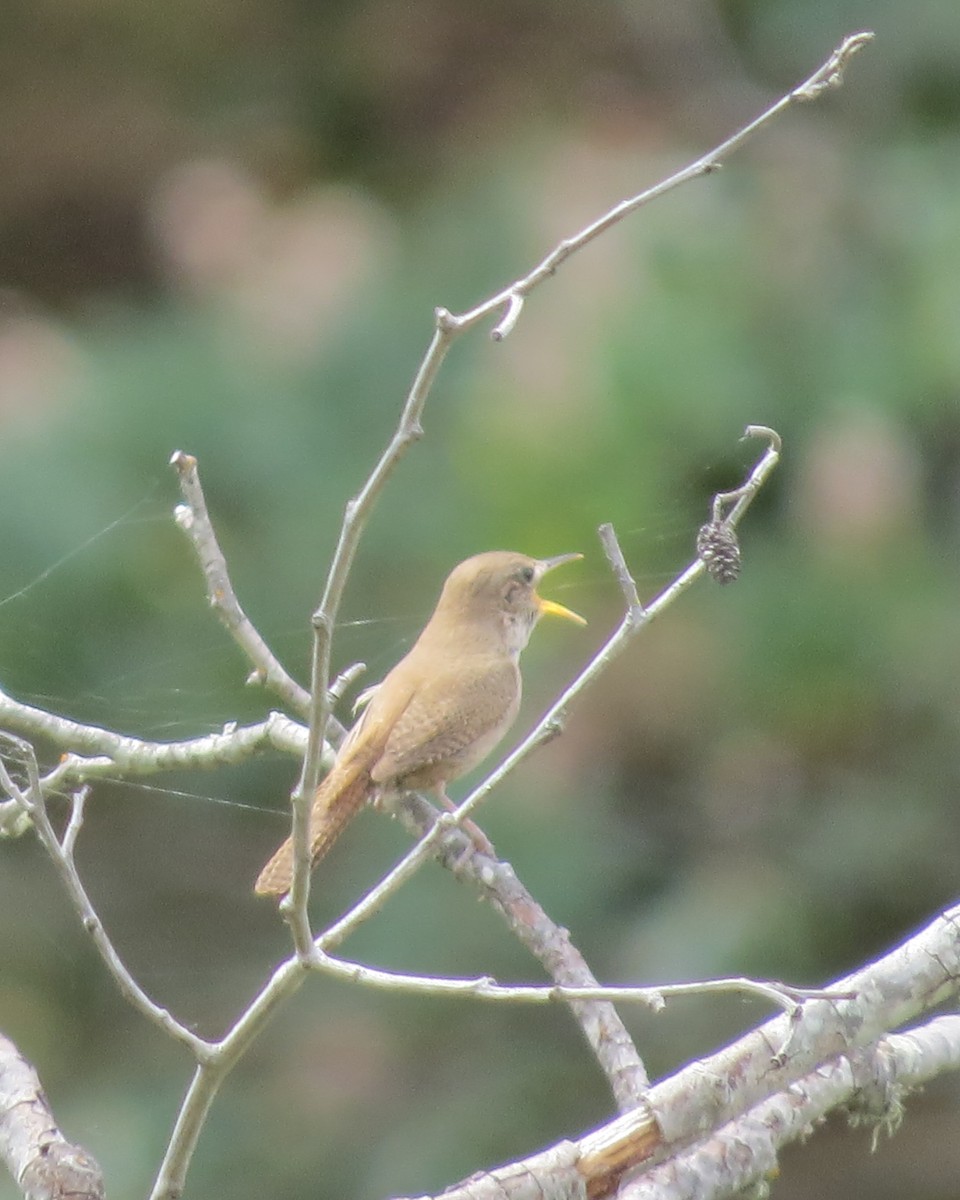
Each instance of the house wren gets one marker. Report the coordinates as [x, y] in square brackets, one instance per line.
[442, 708]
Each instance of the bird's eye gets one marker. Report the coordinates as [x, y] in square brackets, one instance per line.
[526, 574]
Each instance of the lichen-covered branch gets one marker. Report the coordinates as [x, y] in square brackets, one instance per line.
[746, 1150]
[92, 751]
[711, 1096]
[44, 1165]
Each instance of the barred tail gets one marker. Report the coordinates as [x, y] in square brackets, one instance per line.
[338, 800]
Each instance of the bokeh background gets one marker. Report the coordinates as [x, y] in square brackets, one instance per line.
[223, 228]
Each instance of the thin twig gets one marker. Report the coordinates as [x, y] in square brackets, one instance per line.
[69, 840]
[31, 798]
[504, 326]
[355, 517]
[193, 1113]
[754, 481]
[194, 520]
[211, 1073]
[618, 564]
[829, 75]
[344, 680]
[485, 987]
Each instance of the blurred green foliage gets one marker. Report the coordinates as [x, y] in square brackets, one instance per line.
[225, 232]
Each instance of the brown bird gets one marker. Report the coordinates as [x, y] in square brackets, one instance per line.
[442, 708]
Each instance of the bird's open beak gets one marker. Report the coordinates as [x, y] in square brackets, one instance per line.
[551, 606]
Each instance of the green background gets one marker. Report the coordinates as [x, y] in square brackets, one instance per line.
[223, 229]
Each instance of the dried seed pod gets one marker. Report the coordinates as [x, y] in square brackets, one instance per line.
[719, 551]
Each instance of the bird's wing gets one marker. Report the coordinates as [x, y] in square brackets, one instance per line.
[447, 715]
[364, 698]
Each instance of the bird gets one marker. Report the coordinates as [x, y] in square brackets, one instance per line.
[442, 708]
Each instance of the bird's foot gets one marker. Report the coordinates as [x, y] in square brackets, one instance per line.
[480, 840]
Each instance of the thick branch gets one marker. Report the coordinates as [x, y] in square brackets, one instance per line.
[710, 1094]
[116, 754]
[43, 1163]
[746, 1150]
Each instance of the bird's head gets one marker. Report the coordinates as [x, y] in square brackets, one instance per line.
[495, 594]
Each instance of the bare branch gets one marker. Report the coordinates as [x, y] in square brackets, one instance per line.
[504, 326]
[194, 520]
[743, 1151]
[344, 680]
[117, 754]
[190, 1120]
[741, 1079]
[233, 744]
[487, 988]
[601, 1024]
[911, 979]
[497, 883]
[740, 498]
[69, 840]
[213, 1070]
[746, 1149]
[355, 518]
[43, 1163]
[618, 564]
[32, 801]
[829, 75]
